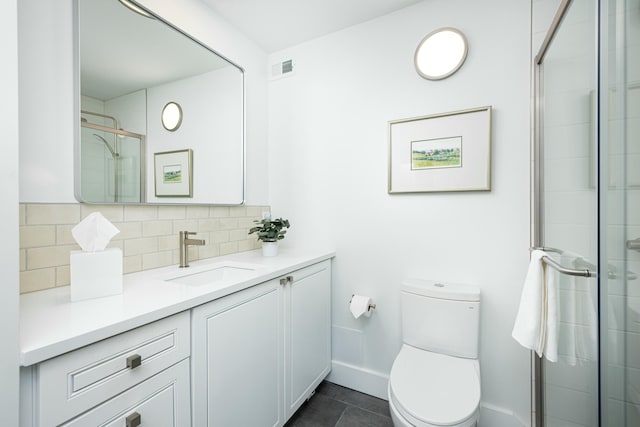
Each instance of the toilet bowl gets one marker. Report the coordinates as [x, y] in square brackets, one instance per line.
[429, 389]
[435, 378]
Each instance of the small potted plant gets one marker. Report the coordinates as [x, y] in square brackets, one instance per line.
[269, 231]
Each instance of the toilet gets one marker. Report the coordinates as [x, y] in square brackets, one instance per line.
[435, 379]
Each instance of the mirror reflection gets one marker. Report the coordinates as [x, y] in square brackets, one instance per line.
[131, 67]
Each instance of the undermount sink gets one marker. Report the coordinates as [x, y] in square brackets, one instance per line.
[206, 275]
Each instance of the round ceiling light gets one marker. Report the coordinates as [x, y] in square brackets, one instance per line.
[172, 116]
[441, 53]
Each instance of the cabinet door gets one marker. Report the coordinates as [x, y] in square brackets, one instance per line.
[307, 333]
[160, 401]
[237, 359]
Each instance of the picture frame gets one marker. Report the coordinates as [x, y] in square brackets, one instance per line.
[173, 173]
[441, 152]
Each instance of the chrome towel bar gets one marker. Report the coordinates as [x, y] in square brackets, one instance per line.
[568, 271]
[588, 270]
[564, 270]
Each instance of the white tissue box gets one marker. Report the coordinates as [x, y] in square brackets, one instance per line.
[96, 274]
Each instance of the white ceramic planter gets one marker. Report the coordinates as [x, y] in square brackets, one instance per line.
[269, 248]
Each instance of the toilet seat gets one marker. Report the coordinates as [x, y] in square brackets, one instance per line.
[431, 389]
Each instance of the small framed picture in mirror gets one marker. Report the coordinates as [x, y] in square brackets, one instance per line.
[173, 171]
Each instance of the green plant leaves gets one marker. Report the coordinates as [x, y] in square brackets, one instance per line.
[270, 230]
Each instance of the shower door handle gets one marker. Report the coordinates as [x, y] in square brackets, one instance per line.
[634, 245]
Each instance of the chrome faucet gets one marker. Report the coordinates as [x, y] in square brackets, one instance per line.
[185, 242]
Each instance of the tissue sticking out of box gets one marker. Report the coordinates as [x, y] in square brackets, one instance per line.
[94, 232]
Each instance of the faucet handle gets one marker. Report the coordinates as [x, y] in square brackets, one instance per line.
[188, 233]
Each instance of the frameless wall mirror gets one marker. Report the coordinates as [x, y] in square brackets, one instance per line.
[441, 53]
[147, 88]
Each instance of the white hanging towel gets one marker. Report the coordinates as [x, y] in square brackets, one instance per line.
[536, 325]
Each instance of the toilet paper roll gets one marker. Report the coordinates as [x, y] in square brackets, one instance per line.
[359, 305]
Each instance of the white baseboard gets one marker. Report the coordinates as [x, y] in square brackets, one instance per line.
[360, 379]
[494, 416]
[375, 384]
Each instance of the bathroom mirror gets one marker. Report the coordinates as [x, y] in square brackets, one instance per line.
[132, 65]
[441, 53]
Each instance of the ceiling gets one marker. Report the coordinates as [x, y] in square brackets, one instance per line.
[278, 24]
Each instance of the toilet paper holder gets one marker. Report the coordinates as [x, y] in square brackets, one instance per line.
[371, 306]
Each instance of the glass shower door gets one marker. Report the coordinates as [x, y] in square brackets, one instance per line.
[111, 165]
[620, 213]
[568, 206]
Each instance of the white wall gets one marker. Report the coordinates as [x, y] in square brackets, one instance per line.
[9, 215]
[328, 175]
[46, 93]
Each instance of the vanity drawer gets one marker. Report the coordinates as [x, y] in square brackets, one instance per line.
[82, 379]
[161, 401]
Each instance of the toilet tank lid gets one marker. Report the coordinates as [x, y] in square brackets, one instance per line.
[443, 290]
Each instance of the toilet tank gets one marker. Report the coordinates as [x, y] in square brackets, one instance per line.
[441, 317]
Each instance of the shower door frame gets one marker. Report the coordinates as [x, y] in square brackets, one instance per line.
[537, 182]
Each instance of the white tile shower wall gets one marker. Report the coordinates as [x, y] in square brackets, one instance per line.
[148, 236]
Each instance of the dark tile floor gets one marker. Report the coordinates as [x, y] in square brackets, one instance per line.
[336, 406]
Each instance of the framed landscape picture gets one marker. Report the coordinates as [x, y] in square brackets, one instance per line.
[441, 152]
[173, 173]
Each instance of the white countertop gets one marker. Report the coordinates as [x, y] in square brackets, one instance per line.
[50, 324]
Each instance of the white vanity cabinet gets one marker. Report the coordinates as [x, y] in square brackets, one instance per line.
[258, 354]
[236, 359]
[114, 379]
[307, 304]
[241, 351]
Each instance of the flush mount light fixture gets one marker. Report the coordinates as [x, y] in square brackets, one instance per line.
[441, 53]
[172, 116]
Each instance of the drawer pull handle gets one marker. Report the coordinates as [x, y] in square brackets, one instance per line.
[133, 420]
[133, 362]
[290, 279]
[283, 281]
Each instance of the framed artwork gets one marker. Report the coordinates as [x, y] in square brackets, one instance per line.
[173, 172]
[441, 152]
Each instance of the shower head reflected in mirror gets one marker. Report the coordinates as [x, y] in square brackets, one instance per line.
[104, 141]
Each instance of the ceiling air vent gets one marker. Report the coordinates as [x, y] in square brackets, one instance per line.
[282, 69]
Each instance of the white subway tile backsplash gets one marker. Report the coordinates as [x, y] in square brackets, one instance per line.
[63, 275]
[22, 213]
[35, 280]
[37, 214]
[185, 225]
[220, 236]
[228, 223]
[208, 224]
[128, 230]
[140, 246]
[172, 212]
[237, 211]
[37, 235]
[238, 234]
[148, 236]
[219, 211]
[49, 256]
[228, 248]
[140, 213]
[63, 234]
[197, 212]
[157, 228]
[111, 212]
[157, 259]
[131, 264]
[168, 243]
